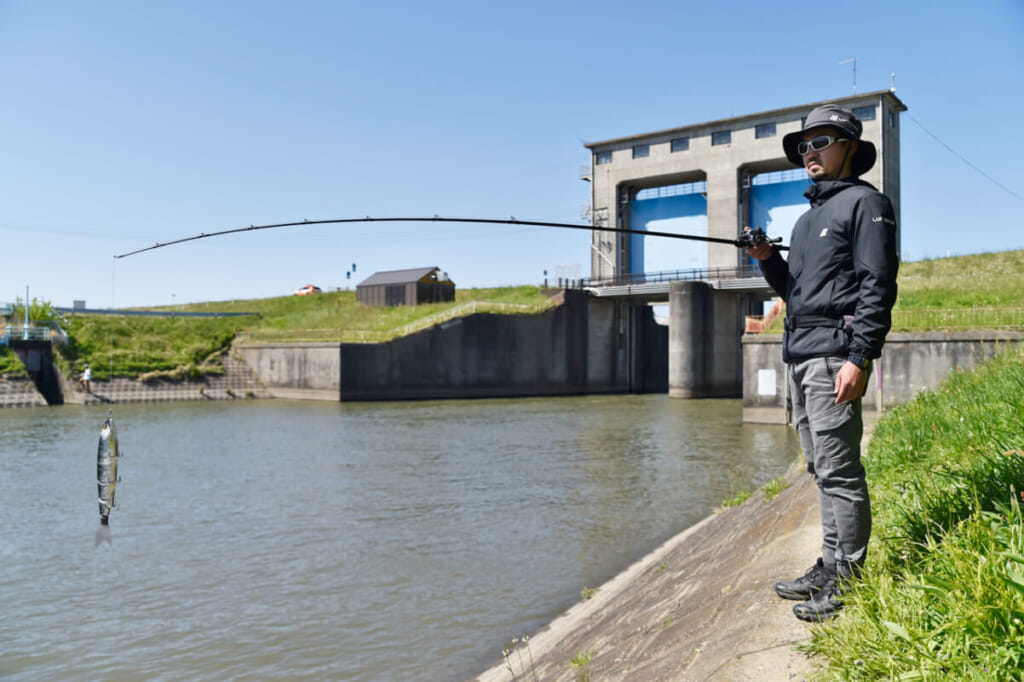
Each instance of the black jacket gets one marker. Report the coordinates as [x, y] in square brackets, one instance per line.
[842, 263]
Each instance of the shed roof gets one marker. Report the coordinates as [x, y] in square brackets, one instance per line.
[397, 276]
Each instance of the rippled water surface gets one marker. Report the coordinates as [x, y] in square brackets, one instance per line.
[388, 541]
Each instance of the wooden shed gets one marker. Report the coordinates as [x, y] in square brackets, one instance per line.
[406, 287]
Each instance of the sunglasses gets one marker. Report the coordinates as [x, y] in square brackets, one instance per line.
[818, 144]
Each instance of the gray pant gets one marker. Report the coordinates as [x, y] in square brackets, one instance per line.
[830, 435]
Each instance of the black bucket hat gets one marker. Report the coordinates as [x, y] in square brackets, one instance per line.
[834, 116]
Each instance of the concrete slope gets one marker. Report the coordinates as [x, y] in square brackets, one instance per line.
[699, 607]
[20, 393]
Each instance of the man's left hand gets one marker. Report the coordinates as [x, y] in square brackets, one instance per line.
[851, 382]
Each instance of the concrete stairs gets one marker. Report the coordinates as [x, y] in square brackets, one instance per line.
[20, 393]
[238, 382]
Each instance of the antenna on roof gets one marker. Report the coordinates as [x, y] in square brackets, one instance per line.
[854, 60]
[892, 88]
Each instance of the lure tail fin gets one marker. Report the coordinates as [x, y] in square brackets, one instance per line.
[103, 533]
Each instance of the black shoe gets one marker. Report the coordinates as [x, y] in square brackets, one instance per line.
[806, 586]
[823, 605]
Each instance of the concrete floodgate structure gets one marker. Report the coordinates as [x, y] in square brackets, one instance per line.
[712, 179]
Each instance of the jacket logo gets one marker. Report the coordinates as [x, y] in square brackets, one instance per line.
[883, 219]
[824, 232]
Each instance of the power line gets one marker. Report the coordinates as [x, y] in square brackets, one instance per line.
[957, 155]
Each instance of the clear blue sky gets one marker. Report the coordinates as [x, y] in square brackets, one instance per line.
[127, 123]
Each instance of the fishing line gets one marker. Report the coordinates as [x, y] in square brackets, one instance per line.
[113, 272]
[436, 218]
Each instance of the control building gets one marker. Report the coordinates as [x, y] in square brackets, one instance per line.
[712, 179]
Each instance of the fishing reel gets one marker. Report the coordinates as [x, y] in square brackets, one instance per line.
[754, 237]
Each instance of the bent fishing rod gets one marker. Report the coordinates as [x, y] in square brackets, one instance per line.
[749, 238]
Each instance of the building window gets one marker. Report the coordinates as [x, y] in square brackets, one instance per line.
[892, 119]
[764, 130]
[602, 157]
[680, 144]
[699, 187]
[865, 113]
[721, 137]
[641, 151]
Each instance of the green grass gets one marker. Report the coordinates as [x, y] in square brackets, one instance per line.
[943, 591]
[181, 348]
[993, 280]
[174, 347]
[11, 366]
[984, 290]
[772, 488]
[186, 347]
[737, 499]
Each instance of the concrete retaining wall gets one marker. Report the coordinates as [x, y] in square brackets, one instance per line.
[310, 371]
[581, 346]
[909, 364]
[487, 355]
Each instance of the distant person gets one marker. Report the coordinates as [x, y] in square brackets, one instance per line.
[86, 379]
[839, 285]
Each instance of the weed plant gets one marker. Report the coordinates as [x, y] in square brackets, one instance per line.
[514, 654]
[581, 665]
[772, 488]
[943, 592]
[737, 499]
[11, 366]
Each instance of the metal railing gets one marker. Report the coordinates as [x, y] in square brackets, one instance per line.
[960, 319]
[51, 332]
[697, 274]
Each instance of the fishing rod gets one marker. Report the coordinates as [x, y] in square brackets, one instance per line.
[749, 238]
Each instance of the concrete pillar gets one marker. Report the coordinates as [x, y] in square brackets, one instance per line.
[723, 211]
[688, 354]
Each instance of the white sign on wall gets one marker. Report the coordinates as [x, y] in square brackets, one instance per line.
[766, 382]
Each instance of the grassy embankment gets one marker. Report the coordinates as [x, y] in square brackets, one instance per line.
[188, 347]
[985, 285]
[963, 292]
[943, 592]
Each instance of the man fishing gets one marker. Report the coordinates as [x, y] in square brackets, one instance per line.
[85, 381]
[839, 286]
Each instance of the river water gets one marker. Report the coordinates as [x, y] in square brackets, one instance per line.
[385, 541]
